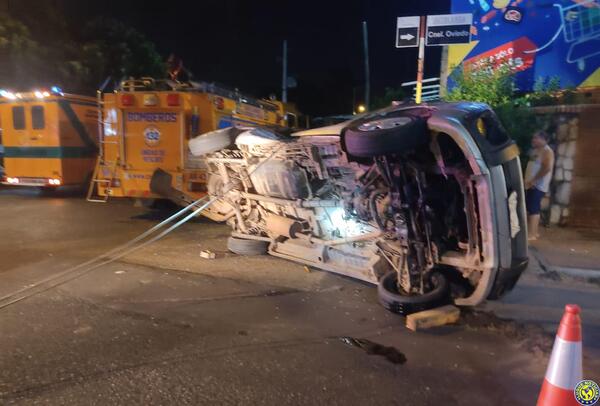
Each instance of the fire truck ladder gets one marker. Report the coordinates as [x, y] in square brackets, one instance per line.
[99, 169]
[101, 163]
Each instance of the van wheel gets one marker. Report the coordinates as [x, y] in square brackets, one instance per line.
[395, 302]
[242, 246]
[385, 136]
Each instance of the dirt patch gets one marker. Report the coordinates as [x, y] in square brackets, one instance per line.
[531, 337]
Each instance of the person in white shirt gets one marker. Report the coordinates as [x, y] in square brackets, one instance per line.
[537, 179]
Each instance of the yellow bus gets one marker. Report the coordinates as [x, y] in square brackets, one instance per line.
[146, 127]
[49, 138]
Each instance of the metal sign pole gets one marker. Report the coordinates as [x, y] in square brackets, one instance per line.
[284, 84]
[421, 61]
[367, 70]
[440, 30]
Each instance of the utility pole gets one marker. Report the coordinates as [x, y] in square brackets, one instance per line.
[367, 70]
[444, 72]
[284, 85]
[421, 61]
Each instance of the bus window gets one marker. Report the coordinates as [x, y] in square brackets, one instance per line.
[18, 117]
[37, 117]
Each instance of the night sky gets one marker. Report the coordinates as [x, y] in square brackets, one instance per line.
[238, 43]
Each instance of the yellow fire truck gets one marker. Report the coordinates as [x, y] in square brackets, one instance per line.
[146, 127]
[49, 138]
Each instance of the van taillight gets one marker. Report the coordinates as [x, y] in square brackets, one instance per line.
[127, 99]
[173, 100]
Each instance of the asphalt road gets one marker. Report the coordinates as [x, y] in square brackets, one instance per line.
[164, 326]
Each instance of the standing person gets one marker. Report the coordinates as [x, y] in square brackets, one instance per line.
[537, 179]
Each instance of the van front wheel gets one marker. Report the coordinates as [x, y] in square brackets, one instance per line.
[397, 302]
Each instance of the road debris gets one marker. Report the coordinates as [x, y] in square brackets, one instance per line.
[82, 330]
[372, 348]
[206, 254]
[432, 318]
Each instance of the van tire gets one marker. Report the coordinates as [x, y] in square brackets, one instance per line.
[392, 135]
[392, 300]
[242, 246]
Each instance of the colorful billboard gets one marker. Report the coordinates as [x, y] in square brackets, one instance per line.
[538, 39]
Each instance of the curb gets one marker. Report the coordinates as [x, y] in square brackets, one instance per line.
[577, 272]
[589, 275]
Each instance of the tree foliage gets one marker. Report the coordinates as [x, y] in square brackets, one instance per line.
[496, 87]
[77, 60]
[493, 87]
[117, 50]
[20, 55]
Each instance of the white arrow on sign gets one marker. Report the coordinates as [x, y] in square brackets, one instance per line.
[406, 31]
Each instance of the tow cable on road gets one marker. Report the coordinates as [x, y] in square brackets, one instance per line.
[119, 252]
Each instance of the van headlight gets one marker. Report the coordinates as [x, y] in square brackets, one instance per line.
[481, 127]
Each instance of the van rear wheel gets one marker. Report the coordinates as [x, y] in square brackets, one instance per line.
[393, 135]
[242, 246]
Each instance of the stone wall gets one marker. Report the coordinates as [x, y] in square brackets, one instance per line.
[585, 194]
[576, 179]
[565, 138]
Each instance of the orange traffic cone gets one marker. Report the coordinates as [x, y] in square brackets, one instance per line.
[565, 366]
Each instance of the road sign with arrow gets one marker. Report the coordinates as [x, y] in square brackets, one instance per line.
[443, 29]
[407, 32]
